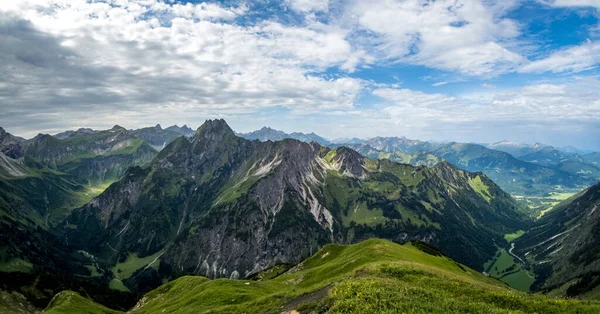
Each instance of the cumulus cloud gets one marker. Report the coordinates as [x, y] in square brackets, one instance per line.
[470, 37]
[151, 57]
[557, 107]
[309, 5]
[572, 59]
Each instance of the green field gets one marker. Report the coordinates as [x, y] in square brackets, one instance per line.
[124, 270]
[503, 262]
[521, 280]
[509, 270]
[363, 215]
[509, 237]
[375, 276]
[16, 265]
[540, 205]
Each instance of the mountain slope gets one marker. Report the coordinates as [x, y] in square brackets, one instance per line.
[156, 136]
[222, 206]
[563, 159]
[513, 175]
[563, 246]
[592, 158]
[415, 159]
[375, 276]
[545, 156]
[94, 158]
[399, 144]
[579, 166]
[517, 149]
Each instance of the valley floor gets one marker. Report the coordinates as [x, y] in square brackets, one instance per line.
[509, 267]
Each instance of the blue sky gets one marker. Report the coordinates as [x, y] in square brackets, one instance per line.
[470, 71]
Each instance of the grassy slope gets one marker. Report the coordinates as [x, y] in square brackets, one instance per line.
[68, 302]
[374, 276]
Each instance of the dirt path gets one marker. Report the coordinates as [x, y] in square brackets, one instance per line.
[293, 304]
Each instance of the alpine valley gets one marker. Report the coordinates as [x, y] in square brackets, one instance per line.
[180, 221]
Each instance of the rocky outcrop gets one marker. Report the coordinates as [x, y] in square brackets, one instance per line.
[10, 145]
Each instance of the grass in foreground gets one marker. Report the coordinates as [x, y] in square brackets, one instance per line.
[68, 302]
[375, 276]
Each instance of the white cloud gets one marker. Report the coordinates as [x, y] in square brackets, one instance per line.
[573, 59]
[561, 104]
[153, 59]
[561, 114]
[572, 3]
[310, 5]
[470, 37]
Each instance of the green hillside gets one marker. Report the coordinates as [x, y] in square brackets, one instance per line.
[374, 276]
[562, 247]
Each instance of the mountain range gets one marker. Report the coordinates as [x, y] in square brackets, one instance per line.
[115, 213]
[534, 170]
[269, 134]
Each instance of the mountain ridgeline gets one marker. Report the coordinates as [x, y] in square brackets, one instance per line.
[219, 205]
[534, 170]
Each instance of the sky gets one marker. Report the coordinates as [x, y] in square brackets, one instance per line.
[447, 70]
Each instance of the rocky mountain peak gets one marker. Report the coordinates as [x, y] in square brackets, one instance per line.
[10, 145]
[351, 162]
[213, 130]
[117, 128]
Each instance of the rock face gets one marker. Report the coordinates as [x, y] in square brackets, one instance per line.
[10, 145]
[222, 206]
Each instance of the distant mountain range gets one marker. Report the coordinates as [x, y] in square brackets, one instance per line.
[520, 169]
[268, 134]
[533, 169]
[521, 149]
